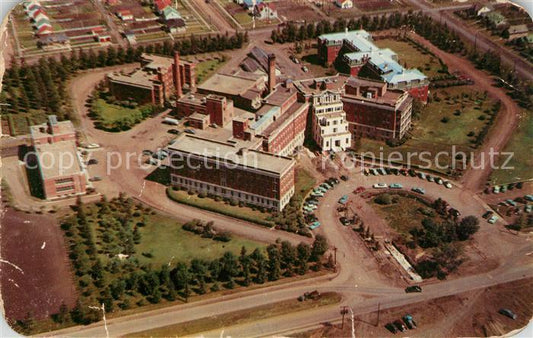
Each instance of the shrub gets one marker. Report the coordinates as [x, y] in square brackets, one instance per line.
[445, 119]
[384, 199]
[470, 134]
[481, 117]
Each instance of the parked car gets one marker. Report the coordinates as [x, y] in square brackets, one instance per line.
[439, 181]
[399, 325]
[374, 171]
[333, 180]
[448, 185]
[528, 208]
[488, 214]
[382, 171]
[391, 328]
[305, 69]
[413, 288]
[503, 188]
[380, 186]
[359, 190]
[147, 152]
[95, 179]
[92, 146]
[430, 178]
[173, 131]
[529, 198]
[409, 321]
[396, 186]
[344, 178]
[314, 225]
[496, 189]
[190, 131]
[422, 176]
[493, 219]
[511, 202]
[343, 199]
[455, 212]
[508, 313]
[419, 190]
[92, 161]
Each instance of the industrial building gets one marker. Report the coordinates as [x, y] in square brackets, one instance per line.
[226, 170]
[155, 82]
[353, 52]
[60, 168]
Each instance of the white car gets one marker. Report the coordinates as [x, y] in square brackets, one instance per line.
[92, 146]
[439, 181]
[493, 219]
[448, 185]
[380, 186]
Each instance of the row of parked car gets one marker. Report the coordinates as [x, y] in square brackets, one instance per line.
[311, 202]
[407, 322]
[503, 188]
[405, 172]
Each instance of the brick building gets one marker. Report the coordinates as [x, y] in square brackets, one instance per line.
[243, 88]
[219, 108]
[354, 53]
[55, 154]
[225, 170]
[374, 111]
[155, 82]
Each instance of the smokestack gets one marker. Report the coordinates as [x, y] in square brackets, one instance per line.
[271, 73]
[177, 77]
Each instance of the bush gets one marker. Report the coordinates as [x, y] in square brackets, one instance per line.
[481, 117]
[445, 119]
[384, 199]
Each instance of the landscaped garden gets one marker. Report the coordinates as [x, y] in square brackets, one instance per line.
[126, 255]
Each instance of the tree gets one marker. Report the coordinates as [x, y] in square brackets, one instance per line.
[63, 316]
[467, 227]
[304, 252]
[273, 262]
[320, 246]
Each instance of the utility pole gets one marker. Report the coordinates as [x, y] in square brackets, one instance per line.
[344, 311]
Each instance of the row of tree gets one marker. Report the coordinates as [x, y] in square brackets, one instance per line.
[42, 86]
[98, 234]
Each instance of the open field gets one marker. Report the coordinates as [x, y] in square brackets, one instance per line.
[466, 113]
[240, 317]
[411, 57]
[34, 244]
[165, 240]
[304, 183]
[521, 145]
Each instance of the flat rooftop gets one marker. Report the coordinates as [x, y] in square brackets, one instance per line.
[227, 84]
[58, 159]
[232, 154]
[139, 77]
[314, 86]
[41, 130]
[280, 95]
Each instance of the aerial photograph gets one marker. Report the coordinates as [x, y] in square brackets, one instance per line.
[266, 168]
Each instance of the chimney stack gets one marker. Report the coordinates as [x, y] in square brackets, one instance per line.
[177, 77]
[271, 73]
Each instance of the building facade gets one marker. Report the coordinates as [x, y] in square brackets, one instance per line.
[55, 154]
[222, 169]
[374, 111]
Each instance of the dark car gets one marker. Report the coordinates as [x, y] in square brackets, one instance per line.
[95, 179]
[173, 131]
[488, 214]
[399, 325]
[190, 131]
[92, 161]
[147, 152]
[413, 288]
[507, 313]
[344, 178]
[333, 180]
[391, 328]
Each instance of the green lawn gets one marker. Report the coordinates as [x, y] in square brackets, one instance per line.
[205, 69]
[521, 144]
[111, 113]
[411, 57]
[429, 133]
[245, 213]
[402, 215]
[304, 183]
[165, 240]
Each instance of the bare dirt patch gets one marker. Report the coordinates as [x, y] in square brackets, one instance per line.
[473, 313]
[34, 243]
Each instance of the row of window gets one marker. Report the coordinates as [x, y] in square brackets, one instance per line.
[64, 180]
[65, 188]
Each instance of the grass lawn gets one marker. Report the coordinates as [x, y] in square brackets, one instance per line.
[402, 215]
[411, 57]
[304, 183]
[521, 144]
[111, 113]
[240, 317]
[206, 203]
[205, 69]
[429, 133]
[165, 240]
